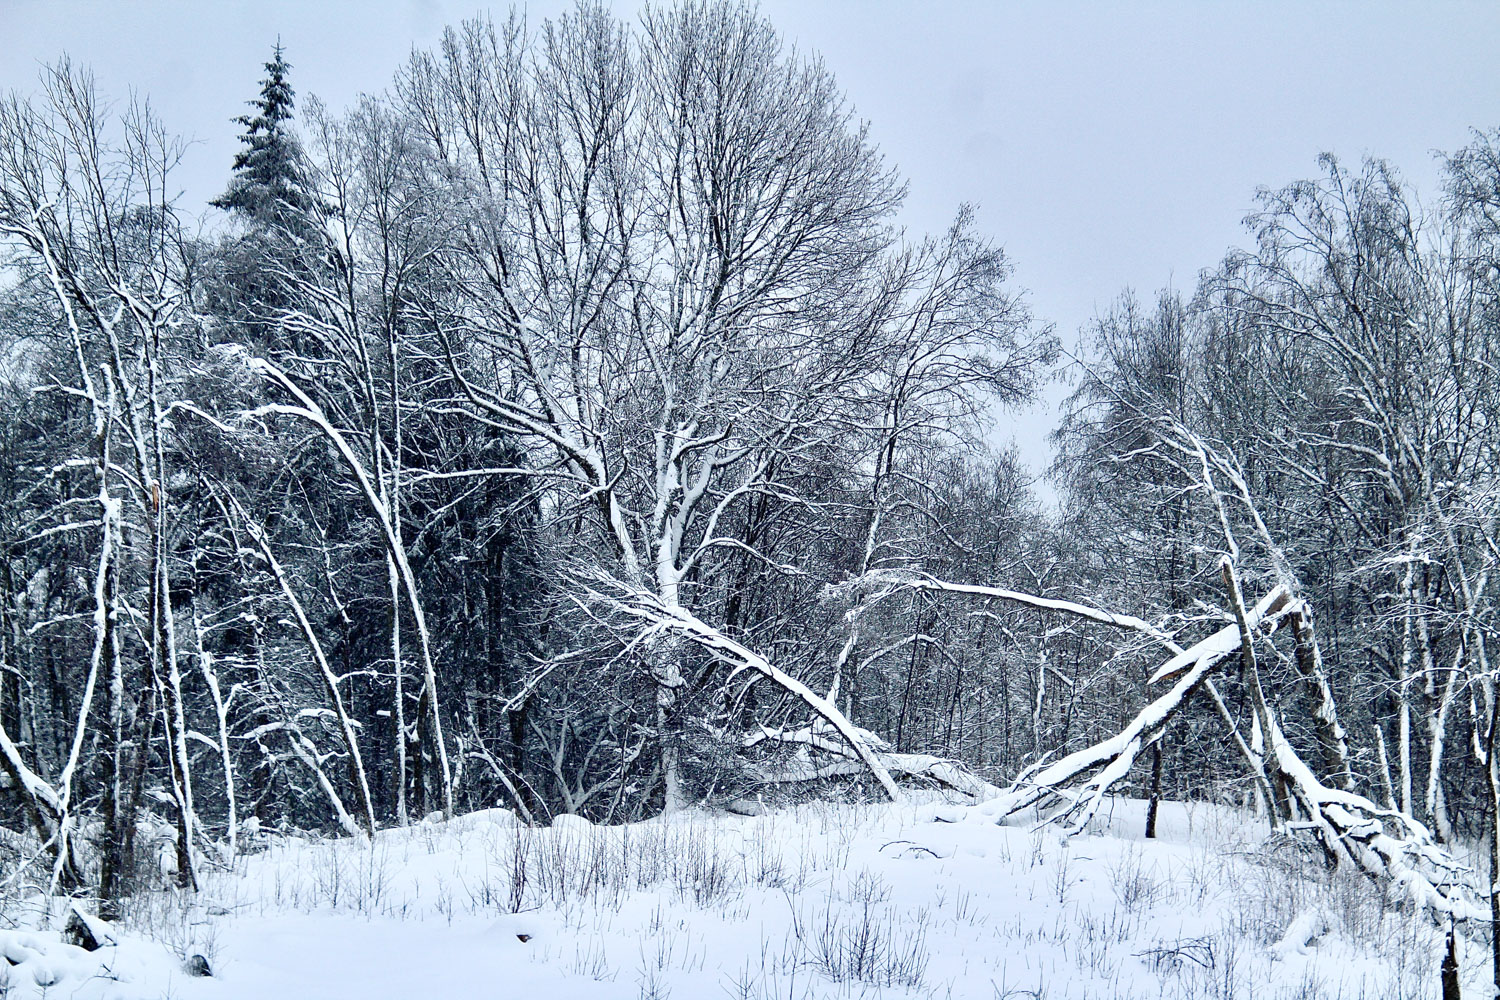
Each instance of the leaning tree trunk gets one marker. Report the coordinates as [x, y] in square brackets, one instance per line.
[357, 776]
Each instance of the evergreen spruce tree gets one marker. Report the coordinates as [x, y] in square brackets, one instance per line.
[267, 185]
[269, 189]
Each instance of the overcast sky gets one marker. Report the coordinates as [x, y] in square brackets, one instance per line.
[1106, 144]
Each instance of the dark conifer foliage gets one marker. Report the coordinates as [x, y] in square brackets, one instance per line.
[266, 185]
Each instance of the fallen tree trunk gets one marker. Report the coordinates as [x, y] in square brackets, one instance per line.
[1107, 762]
[919, 767]
[1386, 844]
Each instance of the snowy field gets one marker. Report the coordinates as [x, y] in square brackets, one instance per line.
[821, 900]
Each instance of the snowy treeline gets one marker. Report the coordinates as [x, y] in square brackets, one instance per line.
[570, 428]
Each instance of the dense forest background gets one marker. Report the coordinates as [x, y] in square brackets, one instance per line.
[570, 428]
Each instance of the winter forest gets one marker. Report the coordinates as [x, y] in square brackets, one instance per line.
[563, 451]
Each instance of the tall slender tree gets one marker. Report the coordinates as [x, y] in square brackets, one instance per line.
[267, 185]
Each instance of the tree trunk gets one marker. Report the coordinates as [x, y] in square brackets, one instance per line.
[112, 857]
[667, 673]
[1492, 772]
[399, 698]
[1154, 803]
[144, 735]
[1452, 989]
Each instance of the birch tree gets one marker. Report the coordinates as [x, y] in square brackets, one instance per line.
[87, 207]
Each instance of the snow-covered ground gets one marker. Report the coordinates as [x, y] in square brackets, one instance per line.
[820, 900]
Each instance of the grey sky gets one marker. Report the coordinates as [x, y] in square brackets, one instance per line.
[1107, 144]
